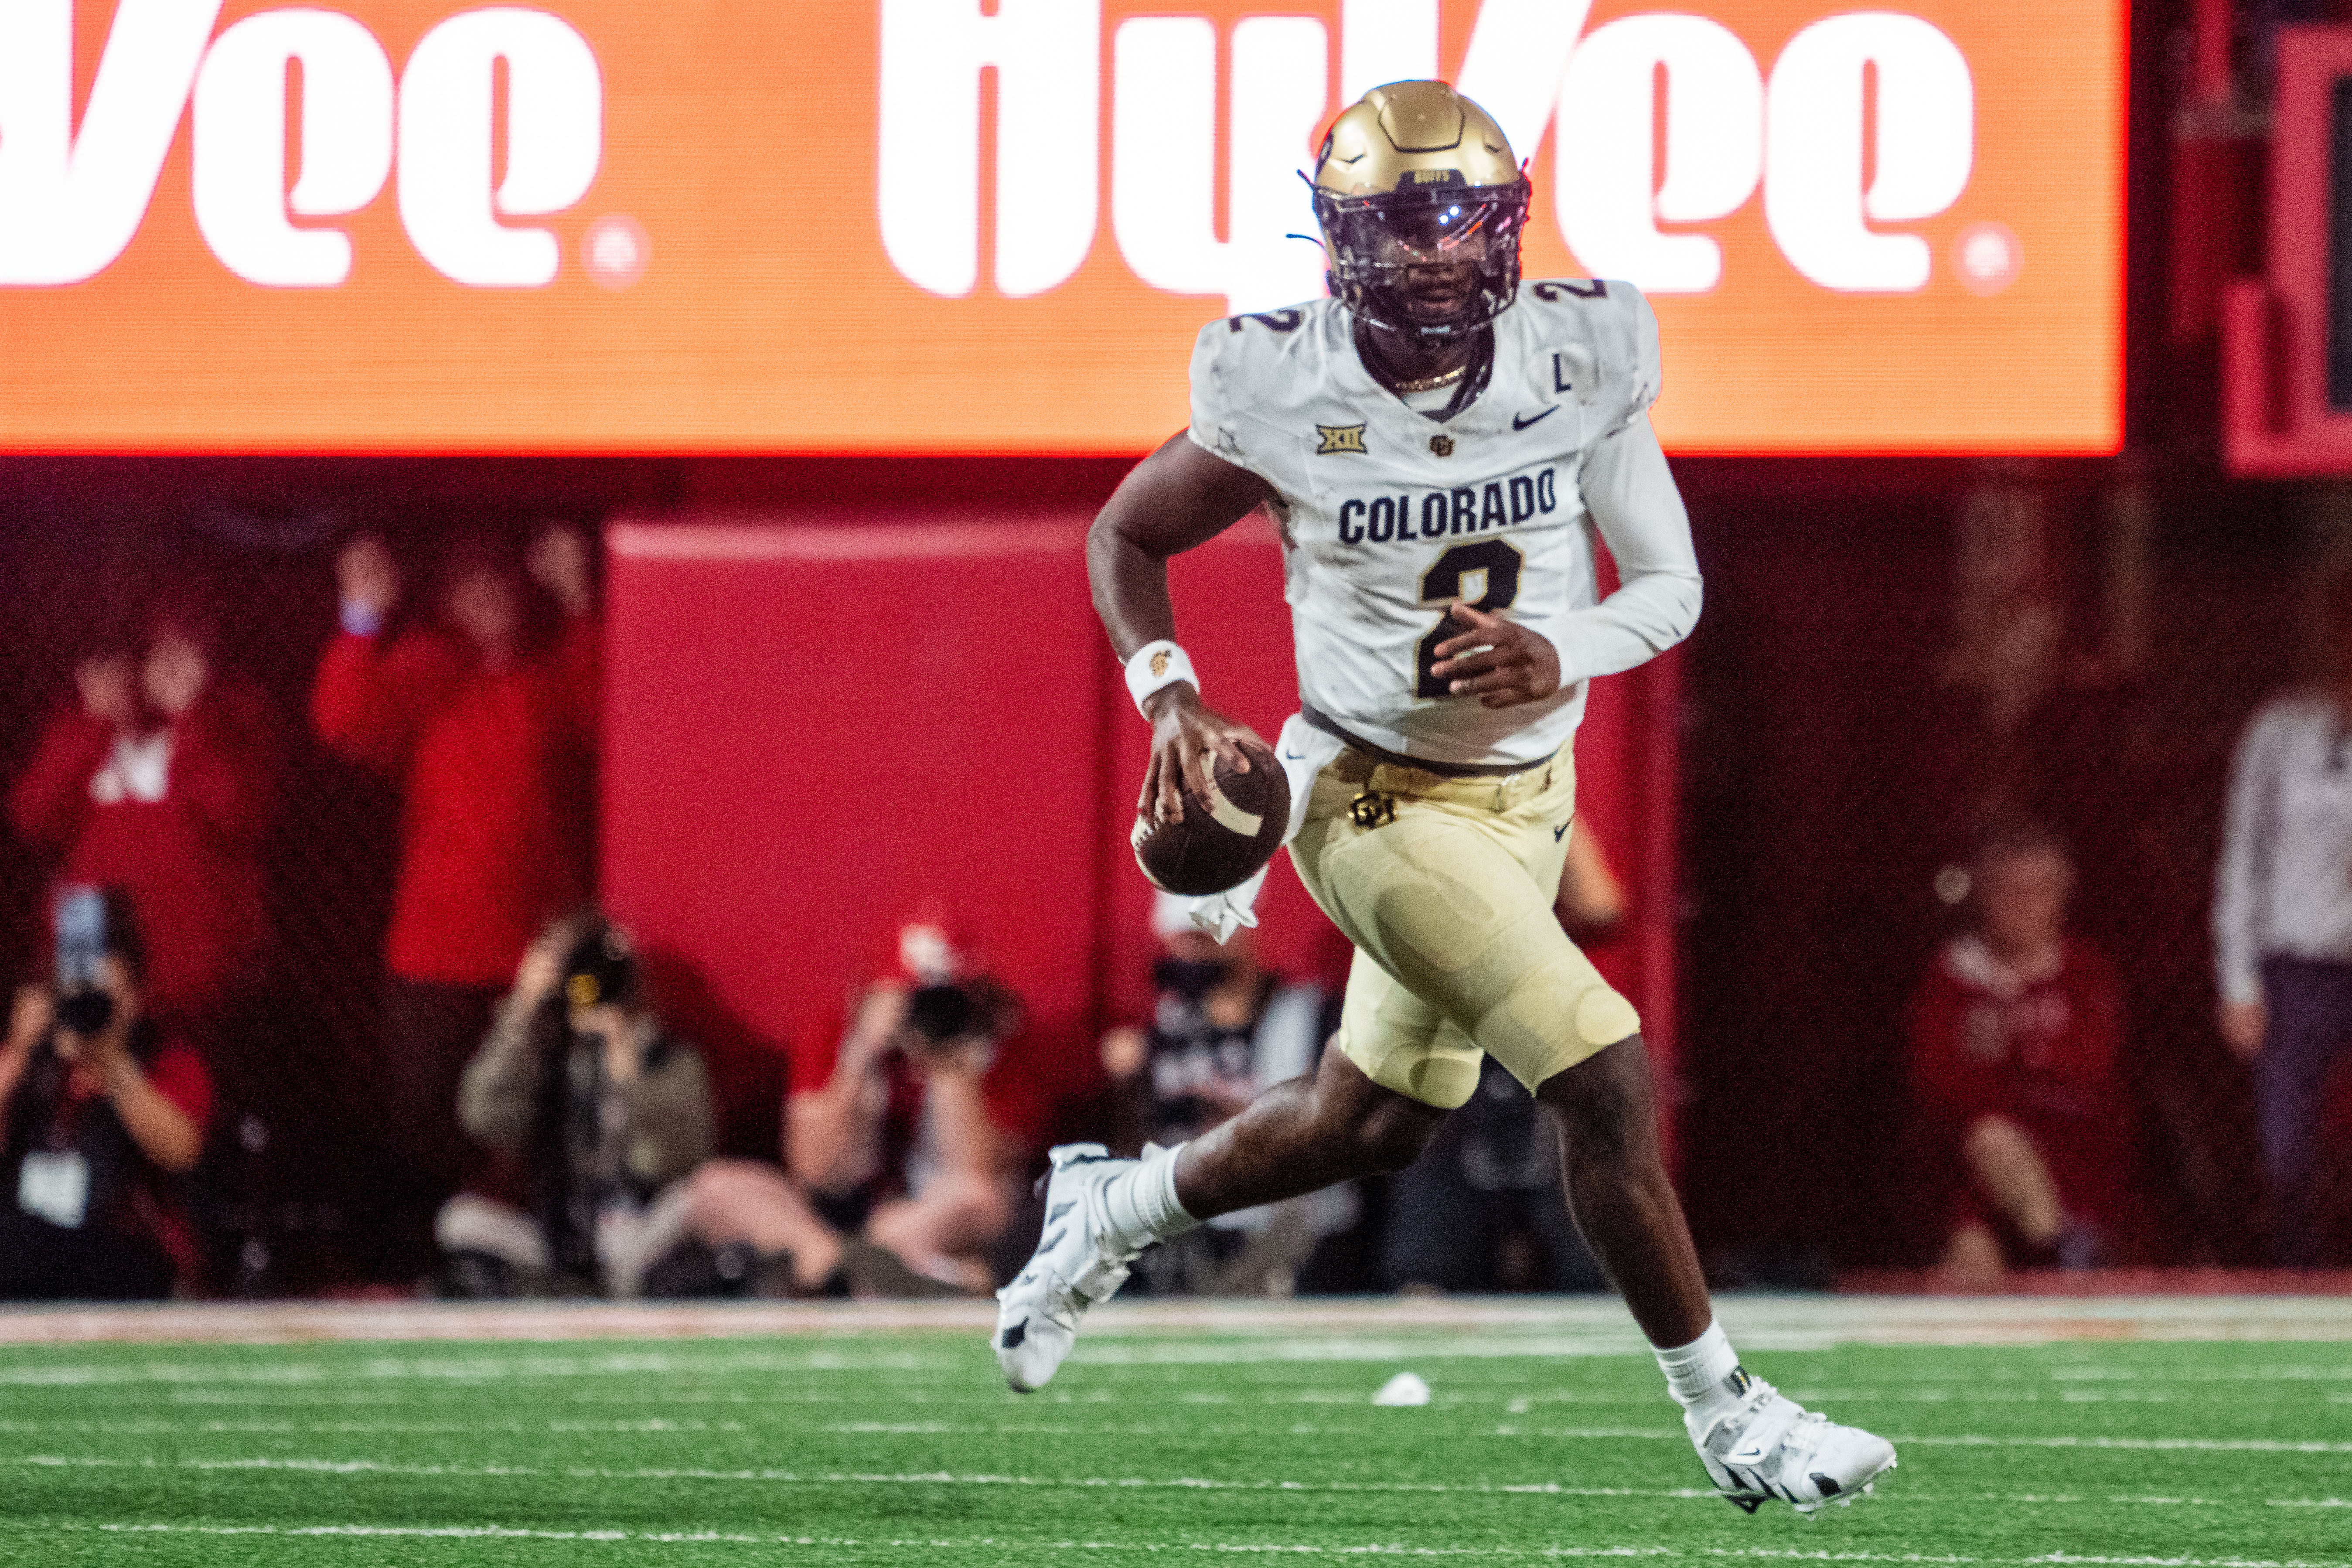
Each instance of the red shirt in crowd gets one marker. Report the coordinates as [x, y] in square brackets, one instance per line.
[175, 819]
[495, 767]
[1987, 1039]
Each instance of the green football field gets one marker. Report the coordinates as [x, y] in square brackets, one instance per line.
[2187, 1435]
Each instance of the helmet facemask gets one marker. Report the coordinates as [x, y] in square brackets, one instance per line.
[1431, 261]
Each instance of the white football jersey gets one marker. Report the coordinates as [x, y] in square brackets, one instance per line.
[1388, 516]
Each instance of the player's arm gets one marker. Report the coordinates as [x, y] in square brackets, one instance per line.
[1630, 493]
[1180, 496]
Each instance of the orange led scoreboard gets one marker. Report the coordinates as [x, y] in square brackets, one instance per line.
[995, 225]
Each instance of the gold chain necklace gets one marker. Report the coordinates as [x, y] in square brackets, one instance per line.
[1431, 383]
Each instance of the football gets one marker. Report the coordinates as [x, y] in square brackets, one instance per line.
[1220, 842]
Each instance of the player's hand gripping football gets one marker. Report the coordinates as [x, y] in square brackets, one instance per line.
[1187, 738]
[1498, 661]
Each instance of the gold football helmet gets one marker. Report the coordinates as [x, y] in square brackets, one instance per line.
[1420, 204]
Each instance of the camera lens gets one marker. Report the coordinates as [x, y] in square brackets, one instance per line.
[940, 1013]
[85, 1012]
[600, 968]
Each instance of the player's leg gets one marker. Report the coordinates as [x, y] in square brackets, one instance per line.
[1615, 1173]
[1453, 896]
[1482, 945]
[1101, 1212]
[1333, 1125]
[1756, 1443]
[1452, 893]
[1398, 1067]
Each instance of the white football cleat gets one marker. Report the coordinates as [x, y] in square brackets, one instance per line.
[1771, 1446]
[1073, 1267]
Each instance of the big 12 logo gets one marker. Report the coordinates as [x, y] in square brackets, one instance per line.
[70, 202]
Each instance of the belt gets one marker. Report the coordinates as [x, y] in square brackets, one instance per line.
[1505, 793]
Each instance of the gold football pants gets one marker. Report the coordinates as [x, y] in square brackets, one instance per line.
[1445, 886]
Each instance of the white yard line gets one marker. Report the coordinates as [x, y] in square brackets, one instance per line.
[484, 1369]
[1004, 1544]
[148, 1427]
[768, 1477]
[1597, 1324]
[1579, 1434]
[736, 1358]
[1376, 1423]
[1453, 1393]
[2160, 1445]
[1974, 1440]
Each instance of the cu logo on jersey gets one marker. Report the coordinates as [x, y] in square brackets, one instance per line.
[1661, 124]
[71, 198]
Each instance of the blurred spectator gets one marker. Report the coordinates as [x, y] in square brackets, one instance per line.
[1590, 905]
[602, 1112]
[101, 1112]
[2283, 923]
[2014, 1039]
[898, 1178]
[487, 722]
[1222, 1031]
[160, 782]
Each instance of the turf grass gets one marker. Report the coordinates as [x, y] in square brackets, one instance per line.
[1155, 1443]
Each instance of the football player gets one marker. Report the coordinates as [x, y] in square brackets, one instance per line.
[1438, 443]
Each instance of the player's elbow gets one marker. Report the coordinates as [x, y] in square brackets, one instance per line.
[1660, 605]
[1686, 595]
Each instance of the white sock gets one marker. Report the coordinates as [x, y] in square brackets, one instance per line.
[1696, 1372]
[1142, 1205]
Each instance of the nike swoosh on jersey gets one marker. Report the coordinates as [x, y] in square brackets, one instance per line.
[1519, 422]
[1561, 831]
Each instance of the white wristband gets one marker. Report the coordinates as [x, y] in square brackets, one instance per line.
[1157, 665]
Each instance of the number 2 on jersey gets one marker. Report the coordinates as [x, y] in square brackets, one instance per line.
[1492, 567]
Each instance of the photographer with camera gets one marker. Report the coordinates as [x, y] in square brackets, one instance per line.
[603, 1112]
[897, 1180]
[101, 1112]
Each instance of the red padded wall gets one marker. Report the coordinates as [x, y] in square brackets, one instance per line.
[813, 731]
